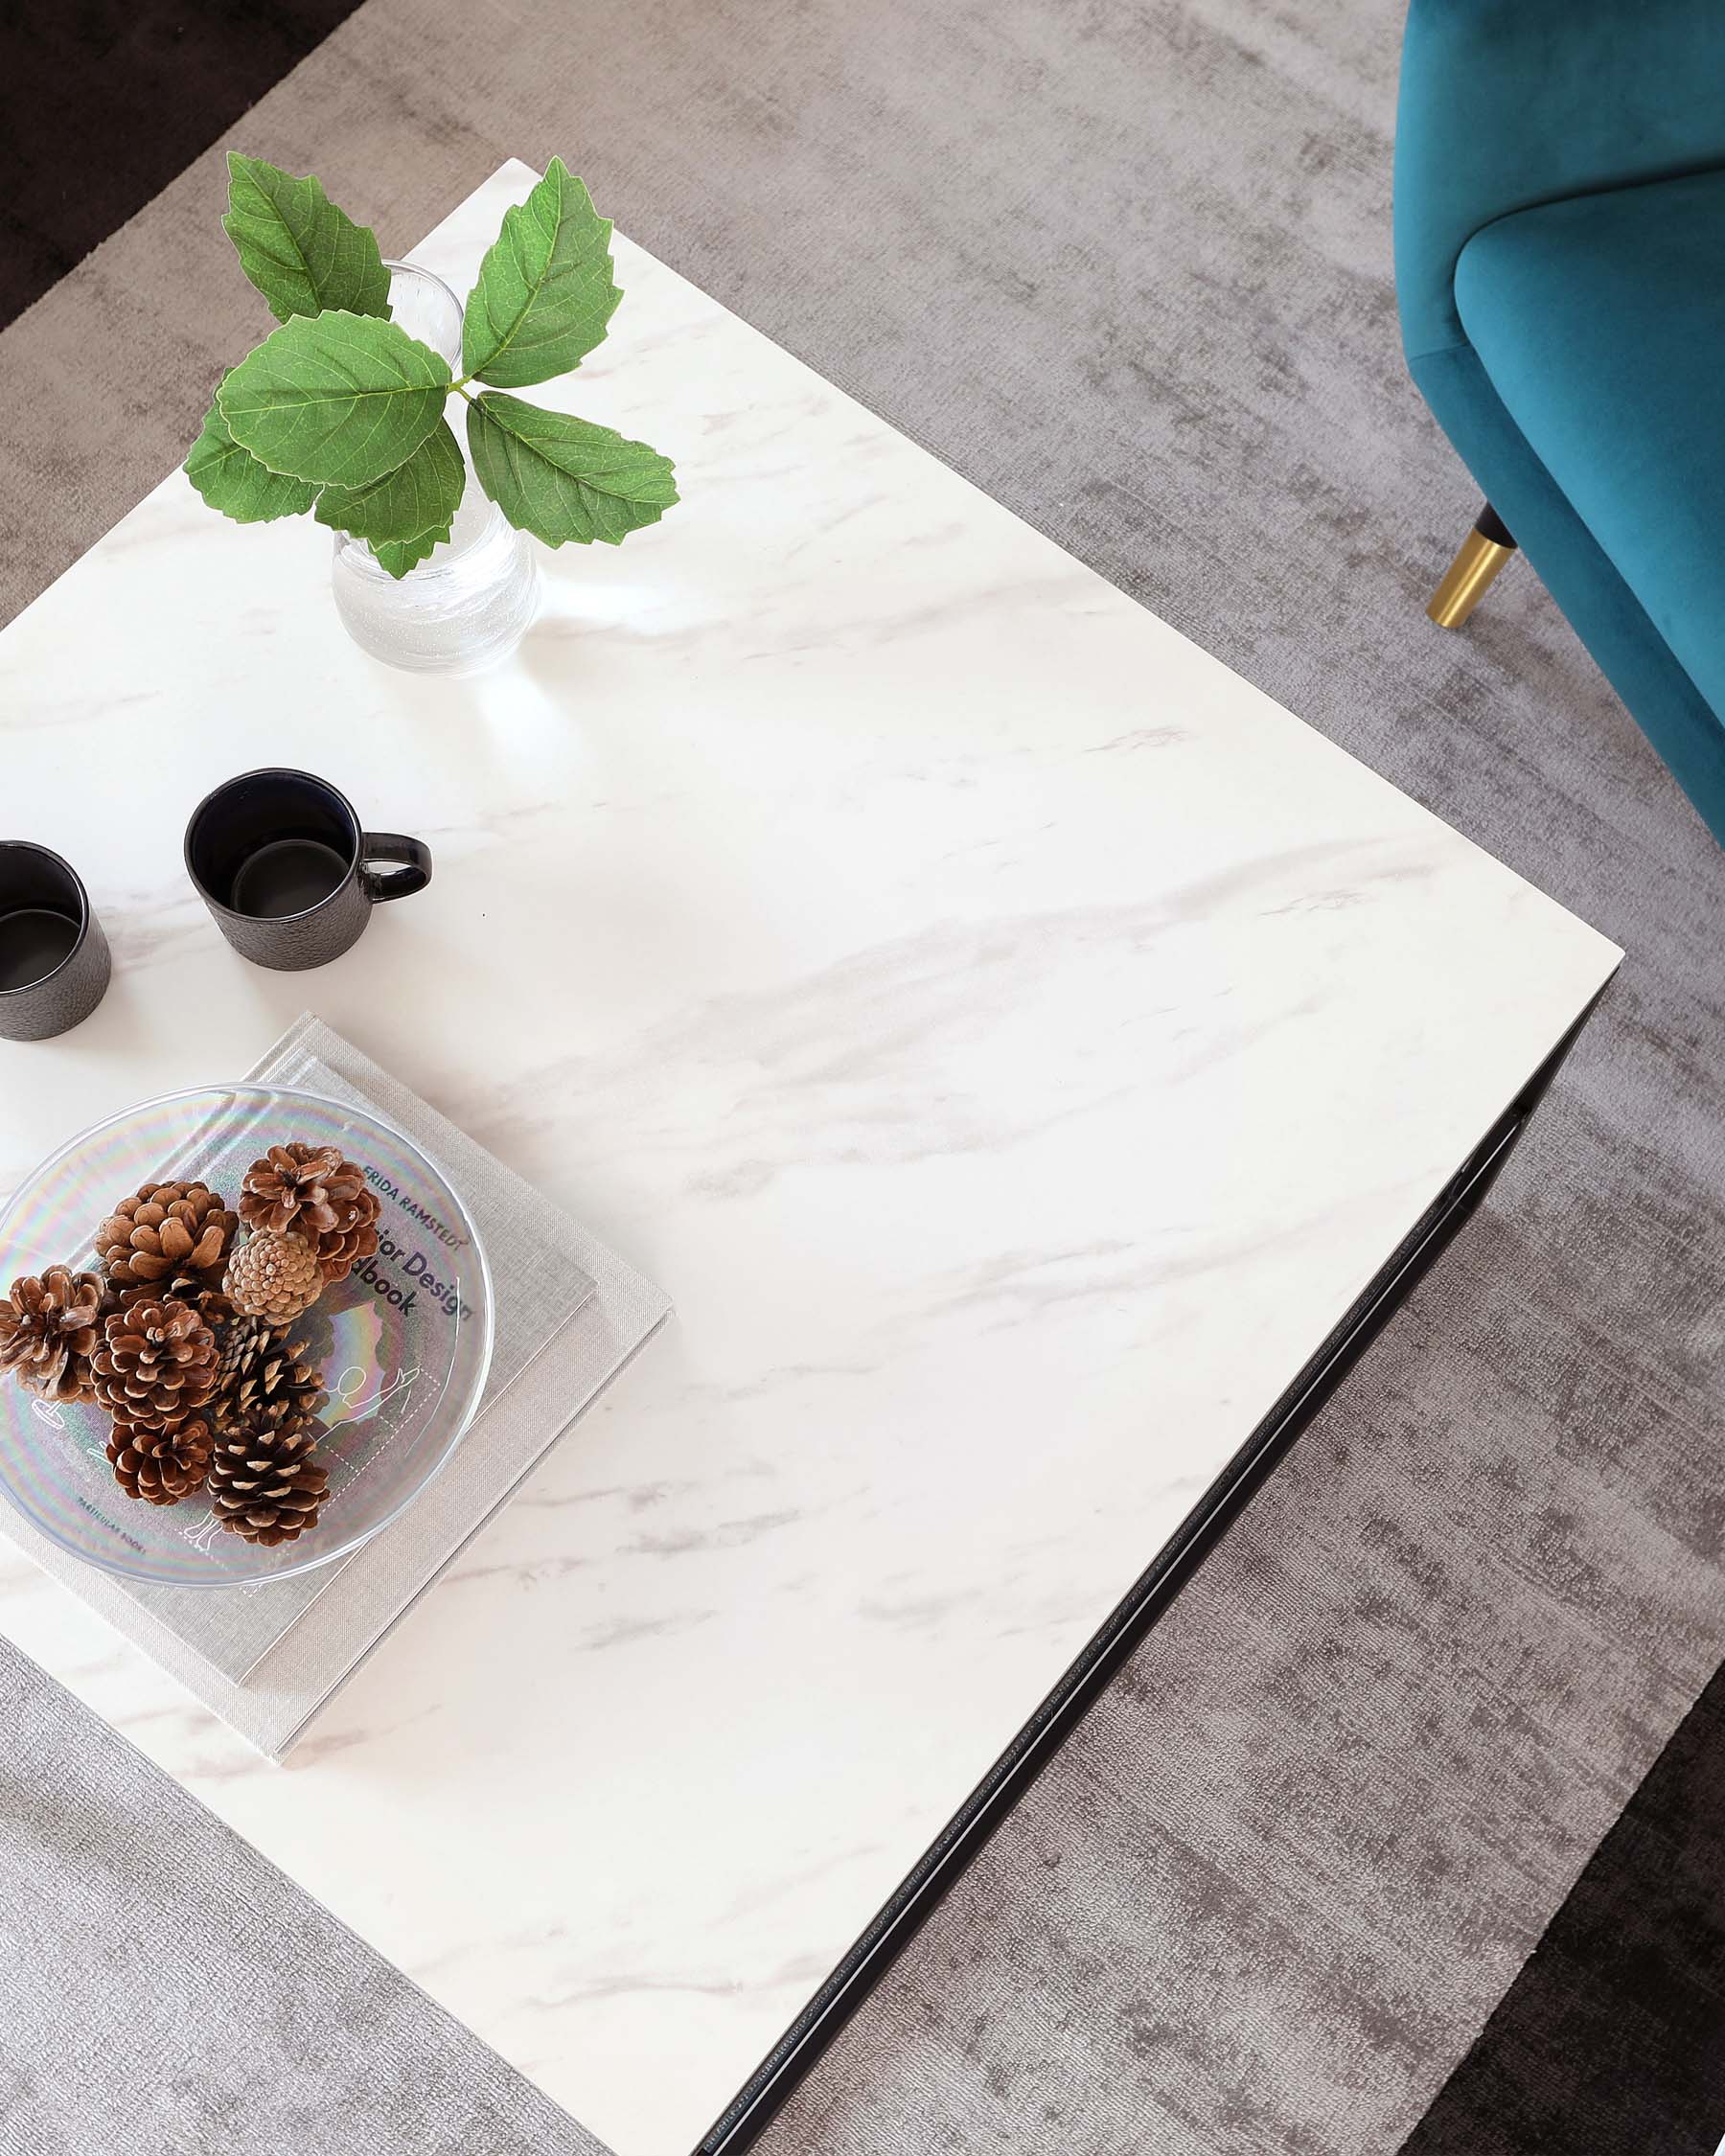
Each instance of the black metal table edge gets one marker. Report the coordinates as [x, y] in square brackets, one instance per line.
[864, 1964]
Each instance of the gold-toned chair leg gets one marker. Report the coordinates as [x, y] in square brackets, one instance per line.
[1482, 554]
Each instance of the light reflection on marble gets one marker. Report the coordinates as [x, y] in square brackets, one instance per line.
[1010, 1038]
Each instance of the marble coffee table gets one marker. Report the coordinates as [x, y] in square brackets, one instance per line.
[1019, 1046]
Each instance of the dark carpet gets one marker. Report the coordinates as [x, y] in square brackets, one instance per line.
[104, 102]
[1611, 2042]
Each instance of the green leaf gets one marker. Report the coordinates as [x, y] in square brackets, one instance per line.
[302, 253]
[231, 480]
[564, 478]
[417, 497]
[341, 398]
[398, 555]
[546, 289]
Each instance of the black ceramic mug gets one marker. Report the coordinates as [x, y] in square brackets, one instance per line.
[54, 958]
[280, 861]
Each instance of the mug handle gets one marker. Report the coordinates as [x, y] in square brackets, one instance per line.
[389, 846]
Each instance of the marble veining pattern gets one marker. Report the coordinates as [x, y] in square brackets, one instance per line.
[1011, 1040]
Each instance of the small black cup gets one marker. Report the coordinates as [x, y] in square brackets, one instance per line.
[54, 958]
[280, 861]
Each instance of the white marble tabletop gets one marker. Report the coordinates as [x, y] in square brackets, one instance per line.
[1011, 1038]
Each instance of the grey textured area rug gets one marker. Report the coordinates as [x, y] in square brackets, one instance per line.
[165, 1992]
[1126, 264]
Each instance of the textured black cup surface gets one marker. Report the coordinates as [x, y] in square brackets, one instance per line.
[288, 876]
[277, 858]
[34, 942]
[54, 958]
[253, 815]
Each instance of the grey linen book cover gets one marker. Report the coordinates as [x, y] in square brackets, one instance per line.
[267, 1658]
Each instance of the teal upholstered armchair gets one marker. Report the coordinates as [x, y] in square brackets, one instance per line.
[1560, 267]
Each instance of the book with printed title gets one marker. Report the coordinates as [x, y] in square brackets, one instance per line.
[568, 1314]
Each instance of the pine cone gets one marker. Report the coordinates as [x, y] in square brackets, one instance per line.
[171, 1237]
[48, 1330]
[234, 1339]
[266, 1484]
[160, 1466]
[211, 1304]
[214, 1306]
[273, 1277]
[316, 1193]
[264, 1382]
[155, 1367]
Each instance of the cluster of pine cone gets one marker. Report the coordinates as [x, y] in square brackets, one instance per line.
[183, 1334]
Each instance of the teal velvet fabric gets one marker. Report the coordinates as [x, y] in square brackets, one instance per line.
[1600, 322]
[1505, 103]
[1560, 270]
[1626, 646]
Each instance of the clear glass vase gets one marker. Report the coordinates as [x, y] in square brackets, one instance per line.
[470, 603]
